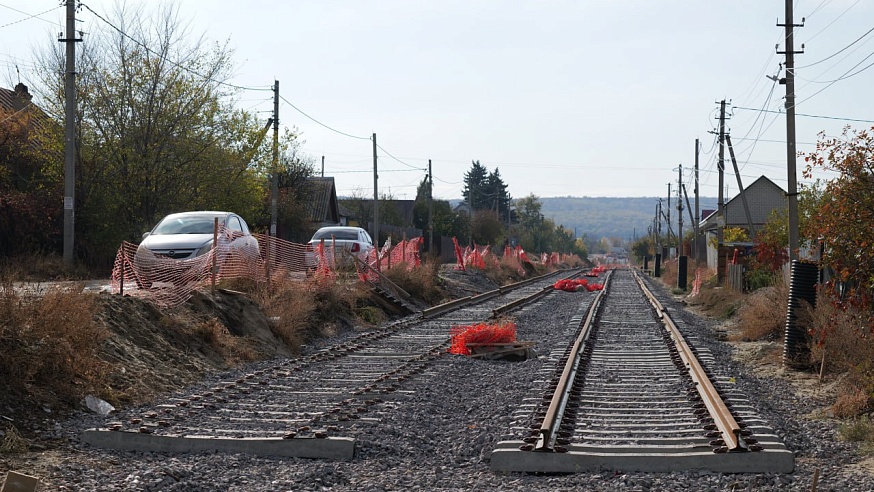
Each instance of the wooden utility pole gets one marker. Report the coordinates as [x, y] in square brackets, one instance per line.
[792, 193]
[668, 218]
[323, 166]
[740, 187]
[70, 134]
[375, 228]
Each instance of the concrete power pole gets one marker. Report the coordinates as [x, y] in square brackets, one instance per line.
[721, 164]
[274, 181]
[70, 135]
[668, 218]
[680, 212]
[430, 209]
[375, 228]
[323, 166]
[792, 193]
[697, 220]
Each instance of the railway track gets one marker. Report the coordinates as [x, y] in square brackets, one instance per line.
[311, 406]
[633, 393]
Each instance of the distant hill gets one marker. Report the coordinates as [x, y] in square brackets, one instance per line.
[597, 217]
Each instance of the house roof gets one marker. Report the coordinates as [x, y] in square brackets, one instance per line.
[322, 206]
[16, 99]
[762, 196]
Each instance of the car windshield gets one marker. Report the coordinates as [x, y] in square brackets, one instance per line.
[190, 224]
[339, 234]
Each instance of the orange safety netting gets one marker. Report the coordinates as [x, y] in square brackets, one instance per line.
[464, 336]
[575, 285]
[170, 282]
[406, 253]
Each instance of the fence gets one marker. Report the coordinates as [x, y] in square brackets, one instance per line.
[169, 282]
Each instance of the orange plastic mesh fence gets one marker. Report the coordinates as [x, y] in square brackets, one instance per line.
[405, 253]
[170, 282]
[463, 337]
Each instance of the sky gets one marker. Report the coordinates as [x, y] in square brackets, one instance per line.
[563, 98]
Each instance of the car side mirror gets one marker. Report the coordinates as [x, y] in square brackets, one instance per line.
[146, 234]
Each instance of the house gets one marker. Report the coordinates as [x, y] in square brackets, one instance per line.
[762, 197]
[322, 206]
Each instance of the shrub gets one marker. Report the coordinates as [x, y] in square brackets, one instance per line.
[762, 315]
[420, 282]
[51, 343]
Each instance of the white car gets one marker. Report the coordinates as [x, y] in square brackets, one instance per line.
[187, 235]
[346, 239]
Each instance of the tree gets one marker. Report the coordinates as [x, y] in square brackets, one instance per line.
[158, 129]
[476, 192]
[845, 216]
[486, 228]
[497, 190]
[30, 211]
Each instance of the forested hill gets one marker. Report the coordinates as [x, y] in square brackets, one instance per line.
[597, 217]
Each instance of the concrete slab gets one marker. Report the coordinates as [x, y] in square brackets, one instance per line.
[19, 482]
[340, 448]
[576, 460]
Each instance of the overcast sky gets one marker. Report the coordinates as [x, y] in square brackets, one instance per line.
[564, 98]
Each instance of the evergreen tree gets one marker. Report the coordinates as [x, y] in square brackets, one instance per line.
[476, 192]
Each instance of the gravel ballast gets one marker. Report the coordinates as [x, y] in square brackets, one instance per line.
[441, 435]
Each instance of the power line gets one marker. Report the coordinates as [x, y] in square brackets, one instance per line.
[402, 162]
[29, 16]
[177, 65]
[832, 22]
[845, 48]
[320, 123]
[807, 115]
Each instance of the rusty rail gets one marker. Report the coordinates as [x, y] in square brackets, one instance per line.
[728, 427]
[552, 420]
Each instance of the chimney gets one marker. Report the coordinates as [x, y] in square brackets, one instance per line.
[22, 93]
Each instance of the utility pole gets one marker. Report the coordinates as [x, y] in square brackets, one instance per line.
[720, 219]
[430, 208]
[70, 134]
[680, 212]
[697, 221]
[323, 166]
[669, 216]
[274, 185]
[790, 129]
[375, 228]
[740, 187]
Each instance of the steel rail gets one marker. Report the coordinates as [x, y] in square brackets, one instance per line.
[555, 411]
[725, 422]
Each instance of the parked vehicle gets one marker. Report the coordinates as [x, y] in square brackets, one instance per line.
[187, 235]
[348, 241]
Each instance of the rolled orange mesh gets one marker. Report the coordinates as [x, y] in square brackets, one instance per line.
[463, 337]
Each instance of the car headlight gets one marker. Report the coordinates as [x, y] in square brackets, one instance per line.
[204, 249]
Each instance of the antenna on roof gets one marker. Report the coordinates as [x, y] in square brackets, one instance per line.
[18, 73]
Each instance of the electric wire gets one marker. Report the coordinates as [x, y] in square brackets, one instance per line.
[402, 162]
[845, 48]
[842, 77]
[13, 115]
[855, 120]
[30, 16]
[833, 21]
[164, 58]
[319, 122]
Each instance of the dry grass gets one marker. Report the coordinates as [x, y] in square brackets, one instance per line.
[718, 302]
[421, 282]
[302, 311]
[762, 315]
[11, 441]
[51, 344]
[233, 349]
